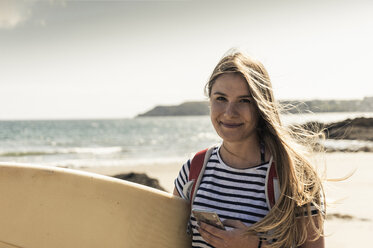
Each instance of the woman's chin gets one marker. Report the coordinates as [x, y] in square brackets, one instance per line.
[231, 138]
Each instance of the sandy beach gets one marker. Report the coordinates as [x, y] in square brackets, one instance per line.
[351, 219]
[352, 200]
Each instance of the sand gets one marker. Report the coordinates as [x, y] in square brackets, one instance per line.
[348, 201]
[353, 198]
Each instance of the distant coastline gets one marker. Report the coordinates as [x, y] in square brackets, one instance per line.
[184, 109]
[293, 106]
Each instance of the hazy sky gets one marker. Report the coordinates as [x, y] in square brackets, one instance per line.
[115, 59]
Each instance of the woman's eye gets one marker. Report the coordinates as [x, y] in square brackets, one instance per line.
[220, 98]
[245, 100]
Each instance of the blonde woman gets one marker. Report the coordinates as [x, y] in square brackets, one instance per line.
[246, 117]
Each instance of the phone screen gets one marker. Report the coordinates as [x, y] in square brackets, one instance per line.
[210, 218]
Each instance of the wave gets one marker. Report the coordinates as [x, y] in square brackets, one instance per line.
[126, 162]
[25, 153]
[63, 151]
[334, 145]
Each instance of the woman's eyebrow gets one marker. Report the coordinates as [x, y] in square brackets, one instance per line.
[223, 94]
[219, 93]
[245, 96]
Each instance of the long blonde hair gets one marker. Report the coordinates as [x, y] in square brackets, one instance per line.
[299, 183]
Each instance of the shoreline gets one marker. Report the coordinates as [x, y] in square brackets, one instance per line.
[165, 173]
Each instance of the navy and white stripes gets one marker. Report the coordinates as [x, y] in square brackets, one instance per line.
[237, 194]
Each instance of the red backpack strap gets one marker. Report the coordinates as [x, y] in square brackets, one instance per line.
[272, 186]
[195, 169]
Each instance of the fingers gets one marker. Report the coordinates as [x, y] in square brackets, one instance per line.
[213, 230]
[236, 237]
[234, 223]
[209, 234]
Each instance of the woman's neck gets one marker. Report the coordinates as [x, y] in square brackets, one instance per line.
[241, 155]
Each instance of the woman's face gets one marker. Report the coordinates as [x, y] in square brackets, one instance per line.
[233, 112]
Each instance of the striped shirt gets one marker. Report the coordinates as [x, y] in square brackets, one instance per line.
[237, 194]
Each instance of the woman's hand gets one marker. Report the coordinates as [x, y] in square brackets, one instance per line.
[235, 238]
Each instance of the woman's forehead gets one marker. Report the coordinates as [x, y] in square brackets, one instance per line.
[231, 84]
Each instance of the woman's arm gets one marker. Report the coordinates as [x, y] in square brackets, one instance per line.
[311, 234]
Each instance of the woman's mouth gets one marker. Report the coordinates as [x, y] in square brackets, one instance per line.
[230, 125]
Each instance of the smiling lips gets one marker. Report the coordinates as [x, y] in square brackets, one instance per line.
[230, 125]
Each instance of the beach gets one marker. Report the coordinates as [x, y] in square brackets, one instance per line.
[159, 146]
[350, 219]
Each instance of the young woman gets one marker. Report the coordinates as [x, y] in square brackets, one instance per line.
[246, 117]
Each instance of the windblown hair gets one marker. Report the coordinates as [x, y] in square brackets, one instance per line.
[301, 187]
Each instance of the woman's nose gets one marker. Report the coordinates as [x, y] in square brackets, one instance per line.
[231, 109]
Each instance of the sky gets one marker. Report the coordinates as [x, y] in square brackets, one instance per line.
[63, 59]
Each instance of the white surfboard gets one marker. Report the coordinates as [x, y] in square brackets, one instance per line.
[48, 207]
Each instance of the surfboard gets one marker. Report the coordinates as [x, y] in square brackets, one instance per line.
[49, 207]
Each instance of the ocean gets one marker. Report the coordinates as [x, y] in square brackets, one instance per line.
[121, 142]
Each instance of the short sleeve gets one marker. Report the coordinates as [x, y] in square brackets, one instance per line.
[182, 178]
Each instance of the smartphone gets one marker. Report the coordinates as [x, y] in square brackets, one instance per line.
[207, 217]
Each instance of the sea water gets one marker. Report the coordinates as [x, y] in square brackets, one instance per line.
[87, 143]
[121, 142]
